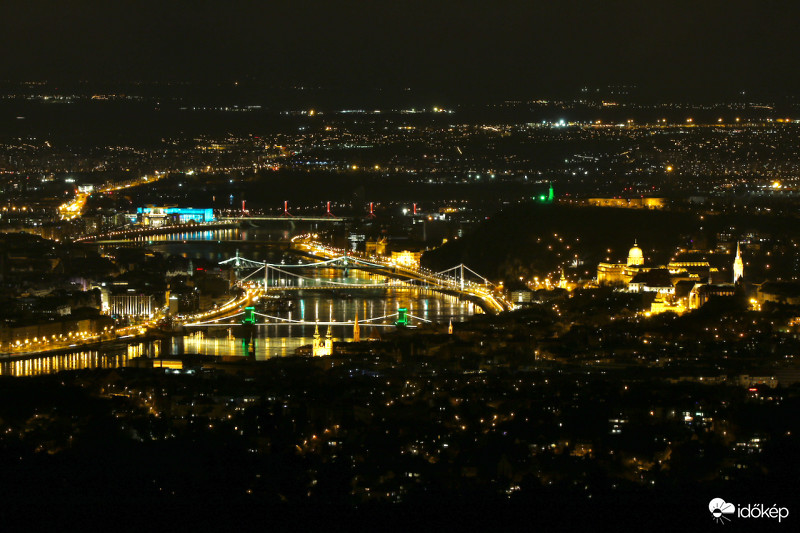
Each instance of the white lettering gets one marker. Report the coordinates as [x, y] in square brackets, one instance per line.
[758, 510]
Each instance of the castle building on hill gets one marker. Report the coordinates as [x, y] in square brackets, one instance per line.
[683, 284]
[622, 273]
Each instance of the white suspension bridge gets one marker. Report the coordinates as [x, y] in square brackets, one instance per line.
[275, 278]
[279, 277]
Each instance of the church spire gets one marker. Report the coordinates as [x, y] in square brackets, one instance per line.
[321, 345]
[562, 281]
[738, 265]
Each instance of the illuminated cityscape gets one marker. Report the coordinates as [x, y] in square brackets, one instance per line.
[473, 267]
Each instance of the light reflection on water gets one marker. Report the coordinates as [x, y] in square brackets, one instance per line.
[50, 364]
[78, 360]
[269, 340]
[204, 235]
[283, 340]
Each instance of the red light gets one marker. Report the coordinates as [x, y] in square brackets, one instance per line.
[753, 389]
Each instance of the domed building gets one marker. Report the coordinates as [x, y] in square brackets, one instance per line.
[622, 273]
[635, 255]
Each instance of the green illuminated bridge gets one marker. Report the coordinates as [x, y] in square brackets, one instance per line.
[250, 317]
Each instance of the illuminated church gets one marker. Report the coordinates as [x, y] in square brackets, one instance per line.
[738, 266]
[320, 345]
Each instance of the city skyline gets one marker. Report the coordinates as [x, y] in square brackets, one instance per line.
[431, 265]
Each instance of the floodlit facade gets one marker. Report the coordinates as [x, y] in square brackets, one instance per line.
[406, 258]
[629, 203]
[321, 346]
[163, 216]
[621, 273]
[133, 304]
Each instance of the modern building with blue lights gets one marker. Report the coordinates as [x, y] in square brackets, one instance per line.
[160, 216]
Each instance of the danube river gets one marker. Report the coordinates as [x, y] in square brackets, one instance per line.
[373, 306]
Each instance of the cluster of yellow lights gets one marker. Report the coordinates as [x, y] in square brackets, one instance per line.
[252, 291]
[74, 208]
[142, 231]
[54, 341]
[491, 296]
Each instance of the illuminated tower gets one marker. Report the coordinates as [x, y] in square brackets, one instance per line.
[356, 329]
[562, 282]
[551, 195]
[738, 265]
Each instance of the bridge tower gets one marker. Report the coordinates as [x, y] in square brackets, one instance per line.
[402, 317]
[249, 317]
[248, 329]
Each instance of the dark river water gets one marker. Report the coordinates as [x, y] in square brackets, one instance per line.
[375, 308]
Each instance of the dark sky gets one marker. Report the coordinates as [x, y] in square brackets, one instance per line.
[710, 46]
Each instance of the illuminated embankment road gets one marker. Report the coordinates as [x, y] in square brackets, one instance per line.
[134, 234]
[87, 340]
[74, 208]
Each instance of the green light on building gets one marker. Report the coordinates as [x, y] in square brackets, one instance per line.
[249, 317]
[548, 198]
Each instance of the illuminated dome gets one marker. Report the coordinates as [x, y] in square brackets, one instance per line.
[635, 256]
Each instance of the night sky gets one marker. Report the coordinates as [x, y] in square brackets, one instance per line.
[664, 47]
